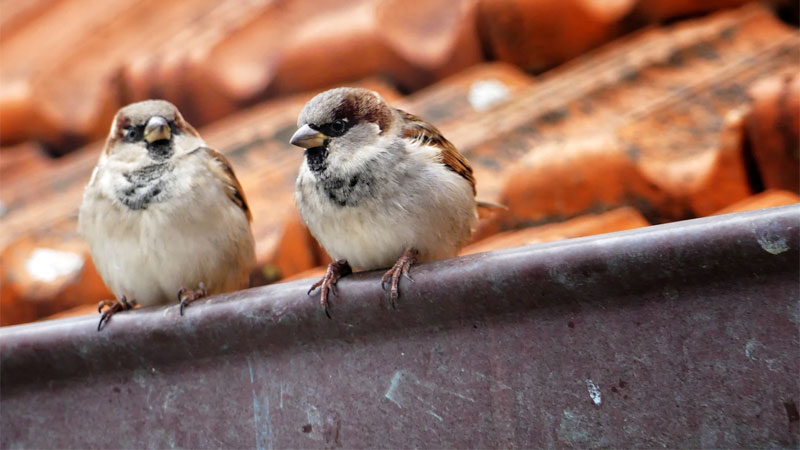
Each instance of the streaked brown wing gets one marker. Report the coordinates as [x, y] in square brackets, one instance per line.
[419, 129]
[223, 170]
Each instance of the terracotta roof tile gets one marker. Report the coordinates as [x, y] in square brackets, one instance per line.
[297, 250]
[21, 161]
[538, 35]
[47, 272]
[315, 272]
[74, 84]
[620, 219]
[675, 121]
[211, 58]
[82, 310]
[657, 10]
[439, 37]
[772, 129]
[621, 80]
[649, 113]
[472, 91]
[767, 199]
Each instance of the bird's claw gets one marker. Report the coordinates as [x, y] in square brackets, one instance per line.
[187, 296]
[334, 272]
[400, 268]
[113, 307]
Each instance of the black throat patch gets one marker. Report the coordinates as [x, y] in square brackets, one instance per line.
[341, 189]
[317, 159]
[146, 186]
[160, 150]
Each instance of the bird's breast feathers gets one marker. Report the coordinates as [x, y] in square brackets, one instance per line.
[141, 187]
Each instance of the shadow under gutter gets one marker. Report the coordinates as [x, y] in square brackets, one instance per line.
[678, 335]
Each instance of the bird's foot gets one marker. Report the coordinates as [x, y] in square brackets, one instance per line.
[336, 270]
[187, 296]
[400, 268]
[113, 307]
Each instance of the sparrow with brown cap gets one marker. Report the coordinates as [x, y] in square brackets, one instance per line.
[163, 213]
[379, 187]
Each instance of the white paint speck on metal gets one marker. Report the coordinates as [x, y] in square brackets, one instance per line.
[594, 392]
[438, 417]
[390, 393]
[773, 244]
[752, 348]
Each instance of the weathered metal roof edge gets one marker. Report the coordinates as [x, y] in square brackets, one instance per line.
[277, 317]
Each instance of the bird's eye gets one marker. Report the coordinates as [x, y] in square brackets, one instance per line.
[130, 134]
[338, 126]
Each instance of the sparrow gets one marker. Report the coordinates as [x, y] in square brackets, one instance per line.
[163, 213]
[379, 187]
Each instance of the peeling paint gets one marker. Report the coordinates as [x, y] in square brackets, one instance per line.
[315, 420]
[261, 419]
[772, 244]
[494, 381]
[572, 429]
[438, 417]
[139, 377]
[167, 400]
[594, 392]
[406, 390]
[390, 393]
[751, 348]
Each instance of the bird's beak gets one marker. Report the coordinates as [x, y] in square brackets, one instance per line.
[307, 137]
[156, 129]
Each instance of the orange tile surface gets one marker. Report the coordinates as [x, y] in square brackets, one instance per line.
[658, 112]
[773, 129]
[47, 272]
[581, 116]
[538, 35]
[616, 220]
[767, 199]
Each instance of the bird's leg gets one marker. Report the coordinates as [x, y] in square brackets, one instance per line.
[335, 271]
[400, 268]
[113, 307]
[186, 296]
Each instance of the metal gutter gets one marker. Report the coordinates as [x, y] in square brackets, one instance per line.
[678, 335]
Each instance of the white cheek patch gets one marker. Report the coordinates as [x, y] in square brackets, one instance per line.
[356, 148]
[186, 143]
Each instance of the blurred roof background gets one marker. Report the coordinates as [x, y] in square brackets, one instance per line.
[583, 116]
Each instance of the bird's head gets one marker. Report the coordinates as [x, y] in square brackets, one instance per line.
[150, 131]
[343, 126]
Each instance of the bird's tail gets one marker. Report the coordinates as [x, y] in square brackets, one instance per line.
[487, 209]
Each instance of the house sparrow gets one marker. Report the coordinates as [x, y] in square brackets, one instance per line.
[163, 213]
[379, 187]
